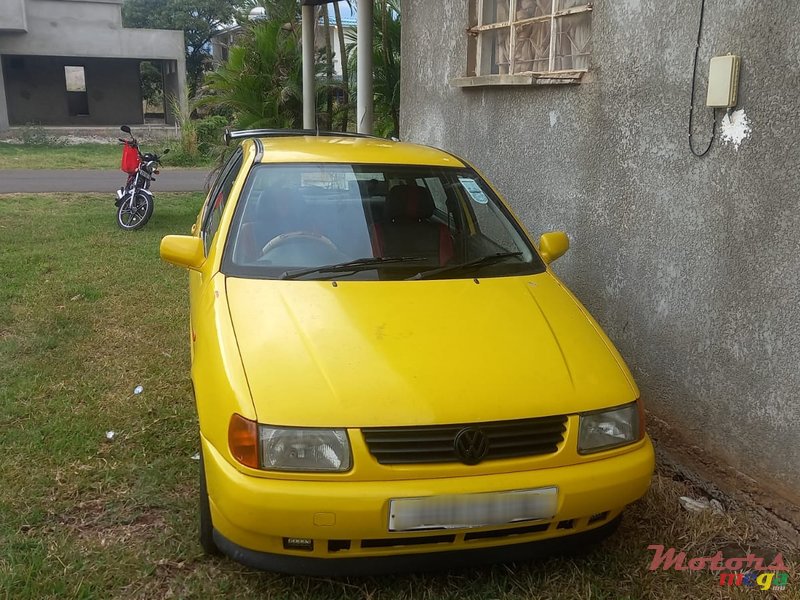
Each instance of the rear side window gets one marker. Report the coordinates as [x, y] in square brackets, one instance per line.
[219, 198]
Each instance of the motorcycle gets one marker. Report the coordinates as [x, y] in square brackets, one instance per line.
[135, 200]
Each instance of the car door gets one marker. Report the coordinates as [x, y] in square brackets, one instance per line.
[207, 226]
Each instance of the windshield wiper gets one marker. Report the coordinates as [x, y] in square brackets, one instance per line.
[359, 264]
[478, 262]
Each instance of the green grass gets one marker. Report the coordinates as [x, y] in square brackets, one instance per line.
[88, 312]
[84, 156]
[79, 156]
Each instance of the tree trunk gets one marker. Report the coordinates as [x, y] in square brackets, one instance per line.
[329, 66]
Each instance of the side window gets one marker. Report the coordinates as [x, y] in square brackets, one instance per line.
[215, 187]
[218, 200]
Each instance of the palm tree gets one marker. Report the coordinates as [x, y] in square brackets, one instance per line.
[261, 84]
[343, 60]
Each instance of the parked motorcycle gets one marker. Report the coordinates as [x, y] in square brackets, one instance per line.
[134, 200]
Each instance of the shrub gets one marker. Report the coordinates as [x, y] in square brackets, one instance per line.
[33, 134]
[209, 132]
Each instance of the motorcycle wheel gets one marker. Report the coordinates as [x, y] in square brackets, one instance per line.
[134, 212]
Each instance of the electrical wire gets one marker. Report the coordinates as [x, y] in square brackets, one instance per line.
[694, 81]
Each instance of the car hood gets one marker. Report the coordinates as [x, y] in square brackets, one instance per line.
[372, 353]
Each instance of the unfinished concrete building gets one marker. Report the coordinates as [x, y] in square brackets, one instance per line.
[71, 62]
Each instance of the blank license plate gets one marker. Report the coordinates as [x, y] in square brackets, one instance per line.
[472, 510]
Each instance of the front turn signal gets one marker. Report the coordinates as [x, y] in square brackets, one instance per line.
[243, 440]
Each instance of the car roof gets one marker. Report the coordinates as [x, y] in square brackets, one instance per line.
[351, 150]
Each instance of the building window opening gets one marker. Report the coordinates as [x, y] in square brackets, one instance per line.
[513, 37]
[77, 98]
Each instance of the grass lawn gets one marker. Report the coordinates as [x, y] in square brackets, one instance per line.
[88, 312]
[78, 156]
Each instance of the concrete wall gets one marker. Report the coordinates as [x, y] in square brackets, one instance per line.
[61, 28]
[36, 92]
[692, 265]
[91, 29]
[12, 15]
[3, 105]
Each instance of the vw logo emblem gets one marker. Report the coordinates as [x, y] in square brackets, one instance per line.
[471, 445]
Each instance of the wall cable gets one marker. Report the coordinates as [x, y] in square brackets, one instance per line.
[694, 81]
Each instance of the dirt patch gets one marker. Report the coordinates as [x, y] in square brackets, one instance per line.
[771, 508]
[93, 522]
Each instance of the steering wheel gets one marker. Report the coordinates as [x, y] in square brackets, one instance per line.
[284, 238]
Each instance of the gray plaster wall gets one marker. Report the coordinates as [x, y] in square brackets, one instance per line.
[36, 91]
[691, 265]
[85, 28]
[12, 15]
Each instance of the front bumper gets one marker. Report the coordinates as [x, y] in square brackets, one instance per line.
[348, 520]
[416, 563]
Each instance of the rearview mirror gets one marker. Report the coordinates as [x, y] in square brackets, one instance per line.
[126, 129]
[552, 245]
[183, 250]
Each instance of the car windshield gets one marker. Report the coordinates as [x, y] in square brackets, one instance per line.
[325, 221]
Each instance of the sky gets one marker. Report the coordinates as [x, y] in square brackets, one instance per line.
[345, 10]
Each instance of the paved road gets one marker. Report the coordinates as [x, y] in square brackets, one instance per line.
[57, 180]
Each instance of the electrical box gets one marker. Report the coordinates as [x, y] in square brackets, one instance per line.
[723, 81]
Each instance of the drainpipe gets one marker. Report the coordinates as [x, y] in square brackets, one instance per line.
[309, 92]
[364, 115]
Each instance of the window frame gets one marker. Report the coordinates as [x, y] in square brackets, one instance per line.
[236, 157]
[476, 31]
[77, 99]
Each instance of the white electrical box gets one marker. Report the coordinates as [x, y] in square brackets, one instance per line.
[723, 81]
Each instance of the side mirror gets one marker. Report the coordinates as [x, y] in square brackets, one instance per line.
[183, 250]
[166, 151]
[125, 128]
[552, 245]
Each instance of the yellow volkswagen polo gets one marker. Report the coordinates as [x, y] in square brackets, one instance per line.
[388, 375]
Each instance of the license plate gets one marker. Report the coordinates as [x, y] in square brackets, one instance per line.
[472, 510]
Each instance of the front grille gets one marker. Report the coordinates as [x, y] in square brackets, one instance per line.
[437, 443]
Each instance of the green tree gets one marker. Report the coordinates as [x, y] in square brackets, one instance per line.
[198, 19]
[284, 11]
[152, 84]
[262, 81]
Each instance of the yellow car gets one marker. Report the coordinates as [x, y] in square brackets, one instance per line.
[388, 375]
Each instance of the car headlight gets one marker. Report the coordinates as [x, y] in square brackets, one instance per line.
[606, 429]
[295, 449]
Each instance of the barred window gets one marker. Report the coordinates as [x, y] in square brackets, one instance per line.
[547, 37]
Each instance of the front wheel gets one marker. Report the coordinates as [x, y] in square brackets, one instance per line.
[134, 211]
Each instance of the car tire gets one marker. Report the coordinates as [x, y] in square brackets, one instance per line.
[206, 528]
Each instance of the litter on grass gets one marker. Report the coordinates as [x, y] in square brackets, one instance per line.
[701, 504]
